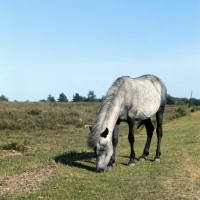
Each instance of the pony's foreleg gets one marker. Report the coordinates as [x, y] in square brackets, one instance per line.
[131, 140]
[114, 141]
[159, 130]
[149, 129]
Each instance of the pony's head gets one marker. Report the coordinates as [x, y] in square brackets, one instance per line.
[104, 151]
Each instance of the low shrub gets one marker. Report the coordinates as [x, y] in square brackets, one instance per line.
[16, 146]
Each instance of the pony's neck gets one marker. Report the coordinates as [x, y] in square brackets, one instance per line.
[112, 117]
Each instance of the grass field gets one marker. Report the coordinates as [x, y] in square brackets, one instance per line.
[43, 155]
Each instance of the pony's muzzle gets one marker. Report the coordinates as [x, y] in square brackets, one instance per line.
[100, 170]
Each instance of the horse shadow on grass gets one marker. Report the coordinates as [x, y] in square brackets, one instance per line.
[81, 159]
[76, 159]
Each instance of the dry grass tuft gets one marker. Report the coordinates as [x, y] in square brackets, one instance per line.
[11, 153]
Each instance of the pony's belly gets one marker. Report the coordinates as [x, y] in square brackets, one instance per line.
[146, 113]
[141, 116]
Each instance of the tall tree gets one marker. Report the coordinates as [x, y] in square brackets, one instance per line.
[62, 98]
[50, 98]
[91, 96]
[3, 98]
[170, 99]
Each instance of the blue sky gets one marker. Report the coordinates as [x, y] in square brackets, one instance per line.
[74, 46]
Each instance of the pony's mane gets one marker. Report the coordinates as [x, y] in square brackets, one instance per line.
[100, 119]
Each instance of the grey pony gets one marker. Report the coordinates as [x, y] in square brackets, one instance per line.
[127, 100]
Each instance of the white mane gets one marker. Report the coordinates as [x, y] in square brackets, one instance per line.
[98, 123]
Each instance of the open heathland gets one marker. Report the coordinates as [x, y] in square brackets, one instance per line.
[43, 155]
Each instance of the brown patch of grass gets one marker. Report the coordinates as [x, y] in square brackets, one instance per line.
[27, 182]
[13, 153]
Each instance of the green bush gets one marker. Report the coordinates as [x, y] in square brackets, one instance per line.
[16, 146]
[181, 112]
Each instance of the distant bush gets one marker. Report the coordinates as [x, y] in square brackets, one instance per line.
[180, 112]
[196, 102]
[78, 98]
[62, 98]
[195, 109]
[3, 98]
[50, 98]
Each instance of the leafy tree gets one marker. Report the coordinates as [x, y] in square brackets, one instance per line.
[170, 100]
[3, 98]
[177, 101]
[62, 98]
[50, 99]
[77, 98]
[196, 102]
[91, 96]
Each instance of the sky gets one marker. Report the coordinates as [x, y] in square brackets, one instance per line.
[77, 46]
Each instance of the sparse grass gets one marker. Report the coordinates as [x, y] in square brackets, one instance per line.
[50, 139]
[45, 116]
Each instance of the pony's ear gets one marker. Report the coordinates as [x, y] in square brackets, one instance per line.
[105, 133]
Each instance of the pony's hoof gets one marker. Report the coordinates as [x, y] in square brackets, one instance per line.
[109, 168]
[141, 159]
[132, 164]
[156, 159]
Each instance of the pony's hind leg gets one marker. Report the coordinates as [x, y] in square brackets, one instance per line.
[159, 131]
[149, 129]
[131, 139]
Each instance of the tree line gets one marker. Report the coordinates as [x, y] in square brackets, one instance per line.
[76, 98]
[182, 101]
[91, 97]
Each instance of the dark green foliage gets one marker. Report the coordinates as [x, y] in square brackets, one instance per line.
[196, 102]
[62, 98]
[50, 99]
[43, 100]
[78, 98]
[91, 96]
[180, 112]
[21, 147]
[176, 101]
[3, 98]
[182, 101]
[170, 100]
[195, 109]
